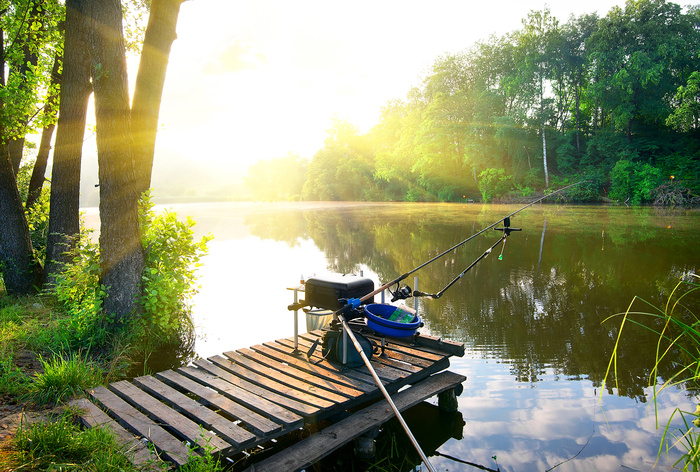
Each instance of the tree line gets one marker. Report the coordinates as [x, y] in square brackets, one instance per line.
[613, 99]
[56, 54]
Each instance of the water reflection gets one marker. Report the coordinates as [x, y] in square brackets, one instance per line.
[532, 322]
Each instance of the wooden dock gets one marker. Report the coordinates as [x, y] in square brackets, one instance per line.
[243, 403]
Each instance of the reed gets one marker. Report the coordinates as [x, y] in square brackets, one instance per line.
[678, 331]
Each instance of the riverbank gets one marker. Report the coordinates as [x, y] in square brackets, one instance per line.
[29, 341]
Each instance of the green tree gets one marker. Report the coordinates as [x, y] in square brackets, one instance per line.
[393, 145]
[443, 132]
[343, 169]
[120, 142]
[686, 115]
[640, 56]
[537, 43]
[64, 219]
[277, 179]
[29, 44]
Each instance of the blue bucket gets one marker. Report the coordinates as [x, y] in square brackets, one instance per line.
[378, 315]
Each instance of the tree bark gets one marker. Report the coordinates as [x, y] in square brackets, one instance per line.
[150, 80]
[50, 108]
[544, 137]
[120, 240]
[21, 270]
[64, 212]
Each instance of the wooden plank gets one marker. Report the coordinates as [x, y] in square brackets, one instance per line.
[403, 354]
[398, 380]
[384, 372]
[255, 402]
[200, 414]
[276, 393]
[425, 344]
[310, 450]
[318, 361]
[158, 411]
[255, 422]
[92, 417]
[290, 375]
[295, 369]
[170, 447]
[416, 351]
[283, 354]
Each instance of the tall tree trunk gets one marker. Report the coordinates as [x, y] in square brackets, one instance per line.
[21, 270]
[578, 115]
[150, 80]
[37, 181]
[544, 136]
[120, 240]
[64, 212]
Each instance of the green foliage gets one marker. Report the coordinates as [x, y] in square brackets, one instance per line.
[206, 462]
[63, 378]
[12, 381]
[171, 260]
[36, 32]
[38, 215]
[601, 89]
[634, 182]
[79, 291]
[493, 183]
[62, 445]
[686, 116]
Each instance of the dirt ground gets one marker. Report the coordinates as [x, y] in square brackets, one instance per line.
[14, 412]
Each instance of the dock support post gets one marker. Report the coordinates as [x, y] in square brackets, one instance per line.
[365, 446]
[447, 400]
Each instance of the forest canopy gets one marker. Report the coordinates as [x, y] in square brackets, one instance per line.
[614, 100]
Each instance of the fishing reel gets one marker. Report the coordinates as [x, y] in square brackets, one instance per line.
[401, 293]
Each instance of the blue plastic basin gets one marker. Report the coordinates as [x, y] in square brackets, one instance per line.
[377, 320]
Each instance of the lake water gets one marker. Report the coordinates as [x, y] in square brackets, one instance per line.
[533, 323]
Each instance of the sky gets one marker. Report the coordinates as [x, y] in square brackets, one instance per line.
[259, 79]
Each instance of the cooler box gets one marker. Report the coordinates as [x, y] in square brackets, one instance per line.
[325, 291]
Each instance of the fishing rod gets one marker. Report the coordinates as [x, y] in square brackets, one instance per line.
[506, 232]
[462, 243]
[379, 383]
[356, 302]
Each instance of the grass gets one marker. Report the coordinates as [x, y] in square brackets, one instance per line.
[62, 445]
[64, 377]
[678, 331]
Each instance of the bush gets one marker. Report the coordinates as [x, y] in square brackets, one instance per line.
[494, 183]
[634, 182]
[171, 259]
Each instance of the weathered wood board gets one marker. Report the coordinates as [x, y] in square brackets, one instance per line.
[243, 399]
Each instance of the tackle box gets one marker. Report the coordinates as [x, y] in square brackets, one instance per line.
[326, 291]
